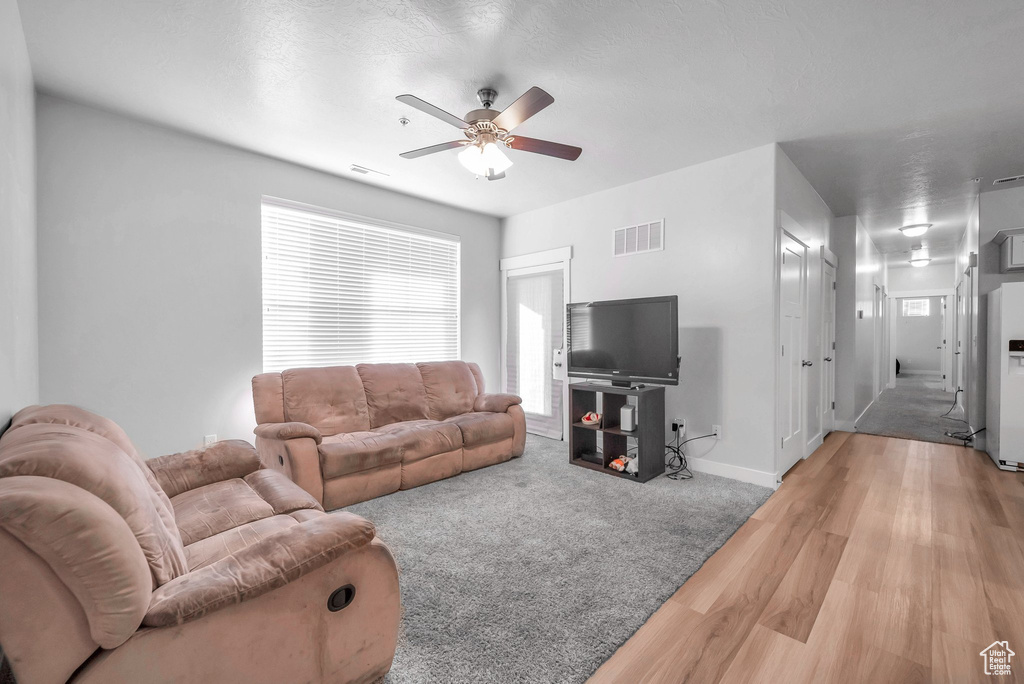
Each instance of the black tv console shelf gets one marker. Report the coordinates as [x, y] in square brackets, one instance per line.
[613, 440]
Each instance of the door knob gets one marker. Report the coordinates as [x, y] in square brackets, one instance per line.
[806, 363]
[828, 358]
[558, 364]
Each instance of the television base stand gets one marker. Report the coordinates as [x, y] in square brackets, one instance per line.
[596, 446]
[621, 383]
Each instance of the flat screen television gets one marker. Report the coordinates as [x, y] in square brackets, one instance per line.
[625, 340]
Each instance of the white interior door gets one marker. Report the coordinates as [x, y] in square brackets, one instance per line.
[791, 360]
[958, 328]
[876, 313]
[534, 299]
[828, 342]
[946, 362]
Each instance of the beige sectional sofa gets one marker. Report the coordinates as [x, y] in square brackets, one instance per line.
[346, 434]
[193, 567]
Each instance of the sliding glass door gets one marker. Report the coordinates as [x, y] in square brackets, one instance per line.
[534, 326]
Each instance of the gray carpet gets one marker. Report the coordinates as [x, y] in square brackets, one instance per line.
[536, 570]
[913, 410]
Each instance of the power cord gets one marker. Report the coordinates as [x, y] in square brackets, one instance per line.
[951, 408]
[679, 469]
[964, 436]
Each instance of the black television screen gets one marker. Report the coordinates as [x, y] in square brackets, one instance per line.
[625, 340]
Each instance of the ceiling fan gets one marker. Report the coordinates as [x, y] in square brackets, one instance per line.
[488, 130]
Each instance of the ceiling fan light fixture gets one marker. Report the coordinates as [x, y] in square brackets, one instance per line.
[920, 262]
[916, 229]
[484, 160]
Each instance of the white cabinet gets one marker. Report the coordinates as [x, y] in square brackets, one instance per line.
[1012, 250]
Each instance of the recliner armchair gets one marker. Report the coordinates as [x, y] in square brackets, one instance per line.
[198, 566]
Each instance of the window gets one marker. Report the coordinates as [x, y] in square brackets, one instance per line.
[341, 290]
[916, 307]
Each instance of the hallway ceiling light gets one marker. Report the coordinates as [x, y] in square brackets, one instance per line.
[919, 262]
[916, 229]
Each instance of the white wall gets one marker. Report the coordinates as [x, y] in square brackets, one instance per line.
[718, 259]
[19, 363]
[861, 269]
[795, 196]
[150, 275]
[931, 277]
[919, 338]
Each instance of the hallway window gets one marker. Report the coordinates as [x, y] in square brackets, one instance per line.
[916, 307]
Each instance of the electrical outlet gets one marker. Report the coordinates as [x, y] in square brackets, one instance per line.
[681, 422]
[716, 430]
[209, 439]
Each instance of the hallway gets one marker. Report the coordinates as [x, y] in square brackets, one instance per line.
[914, 409]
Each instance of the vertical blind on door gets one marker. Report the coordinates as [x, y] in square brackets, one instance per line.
[341, 291]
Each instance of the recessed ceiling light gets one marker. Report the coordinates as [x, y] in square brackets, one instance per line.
[916, 229]
[919, 262]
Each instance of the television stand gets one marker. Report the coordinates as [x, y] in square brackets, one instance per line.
[649, 435]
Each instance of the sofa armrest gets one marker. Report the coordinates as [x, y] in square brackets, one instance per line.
[288, 431]
[496, 403]
[219, 461]
[270, 563]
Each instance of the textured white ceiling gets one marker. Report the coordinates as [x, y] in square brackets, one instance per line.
[887, 108]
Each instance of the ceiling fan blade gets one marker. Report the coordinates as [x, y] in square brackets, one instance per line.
[423, 151]
[551, 149]
[528, 104]
[430, 109]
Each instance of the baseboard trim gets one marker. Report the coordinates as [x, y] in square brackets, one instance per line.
[813, 445]
[845, 426]
[758, 477]
[935, 374]
[872, 403]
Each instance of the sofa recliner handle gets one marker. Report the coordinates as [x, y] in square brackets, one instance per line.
[341, 598]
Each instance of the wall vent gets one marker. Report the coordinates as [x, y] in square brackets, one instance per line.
[1008, 179]
[643, 237]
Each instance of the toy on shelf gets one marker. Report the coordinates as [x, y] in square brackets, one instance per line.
[624, 464]
[591, 418]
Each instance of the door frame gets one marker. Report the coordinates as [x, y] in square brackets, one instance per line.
[828, 413]
[787, 226]
[536, 260]
[948, 297]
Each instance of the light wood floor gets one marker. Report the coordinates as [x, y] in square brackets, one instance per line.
[877, 560]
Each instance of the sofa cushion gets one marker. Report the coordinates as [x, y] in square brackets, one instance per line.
[483, 428]
[330, 399]
[77, 417]
[450, 388]
[88, 546]
[283, 495]
[92, 462]
[210, 510]
[213, 548]
[394, 392]
[423, 438]
[354, 452]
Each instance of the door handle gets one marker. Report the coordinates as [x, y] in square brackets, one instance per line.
[558, 364]
[828, 358]
[806, 363]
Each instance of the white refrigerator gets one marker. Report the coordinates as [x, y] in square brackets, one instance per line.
[1004, 420]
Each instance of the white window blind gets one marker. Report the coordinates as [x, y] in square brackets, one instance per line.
[341, 291]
